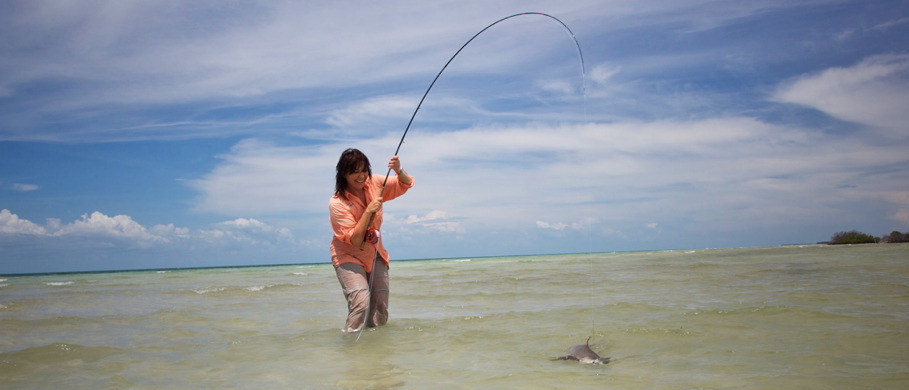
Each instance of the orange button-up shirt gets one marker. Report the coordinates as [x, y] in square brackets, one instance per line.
[345, 212]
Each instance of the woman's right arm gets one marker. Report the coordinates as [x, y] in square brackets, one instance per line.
[359, 231]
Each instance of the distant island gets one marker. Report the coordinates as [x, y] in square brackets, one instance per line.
[856, 237]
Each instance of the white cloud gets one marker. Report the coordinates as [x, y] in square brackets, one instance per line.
[901, 216]
[125, 231]
[259, 177]
[551, 225]
[584, 224]
[891, 23]
[601, 73]
[899, 197]
[20, 187]
[436, 220]
[247, 230]
[873, 92]
[119, 226]
[366, 111]
[11, 224]
[433, 215]
[559, 87]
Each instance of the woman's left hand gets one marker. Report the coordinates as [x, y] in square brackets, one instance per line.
[394, 164]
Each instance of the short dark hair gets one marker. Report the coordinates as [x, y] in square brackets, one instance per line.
[350, 160]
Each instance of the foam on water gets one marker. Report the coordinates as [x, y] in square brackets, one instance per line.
[209, 290]
[757, 318]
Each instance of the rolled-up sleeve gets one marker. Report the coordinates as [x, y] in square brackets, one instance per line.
[394, 188]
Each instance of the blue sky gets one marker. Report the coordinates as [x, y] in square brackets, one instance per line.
[156, 134]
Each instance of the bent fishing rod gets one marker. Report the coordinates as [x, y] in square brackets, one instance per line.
[420, 104]
[565, 26]
[433, 83]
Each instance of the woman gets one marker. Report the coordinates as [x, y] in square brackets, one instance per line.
[356, 216]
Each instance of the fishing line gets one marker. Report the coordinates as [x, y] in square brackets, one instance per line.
[410, 122]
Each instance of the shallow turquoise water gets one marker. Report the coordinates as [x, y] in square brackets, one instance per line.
[749, 318]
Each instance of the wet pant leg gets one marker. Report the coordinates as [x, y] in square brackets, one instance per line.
[355, 285]
[378, 315]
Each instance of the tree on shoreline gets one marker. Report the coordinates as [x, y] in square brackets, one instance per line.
[895, 237]
[853, 237]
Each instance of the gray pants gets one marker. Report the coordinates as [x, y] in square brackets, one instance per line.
[355, 285]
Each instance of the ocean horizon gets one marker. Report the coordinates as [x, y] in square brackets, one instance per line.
[393, 260]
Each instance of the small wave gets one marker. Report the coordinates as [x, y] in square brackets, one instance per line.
[208, 290]
[3, 280]
[59, 283]
[162, 272]
[300, 274]
[461, 260]
[3, 285]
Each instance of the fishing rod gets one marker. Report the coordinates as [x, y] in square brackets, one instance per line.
[568, 30]
[433, 83]
[406, 129]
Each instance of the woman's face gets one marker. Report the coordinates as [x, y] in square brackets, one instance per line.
[357, 179]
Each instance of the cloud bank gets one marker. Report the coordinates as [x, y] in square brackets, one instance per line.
[100, 229]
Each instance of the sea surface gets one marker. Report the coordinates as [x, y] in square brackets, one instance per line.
[792, 317]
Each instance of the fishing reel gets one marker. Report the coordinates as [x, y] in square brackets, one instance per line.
[372, 236]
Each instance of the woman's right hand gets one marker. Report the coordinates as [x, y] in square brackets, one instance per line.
[374, 206]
